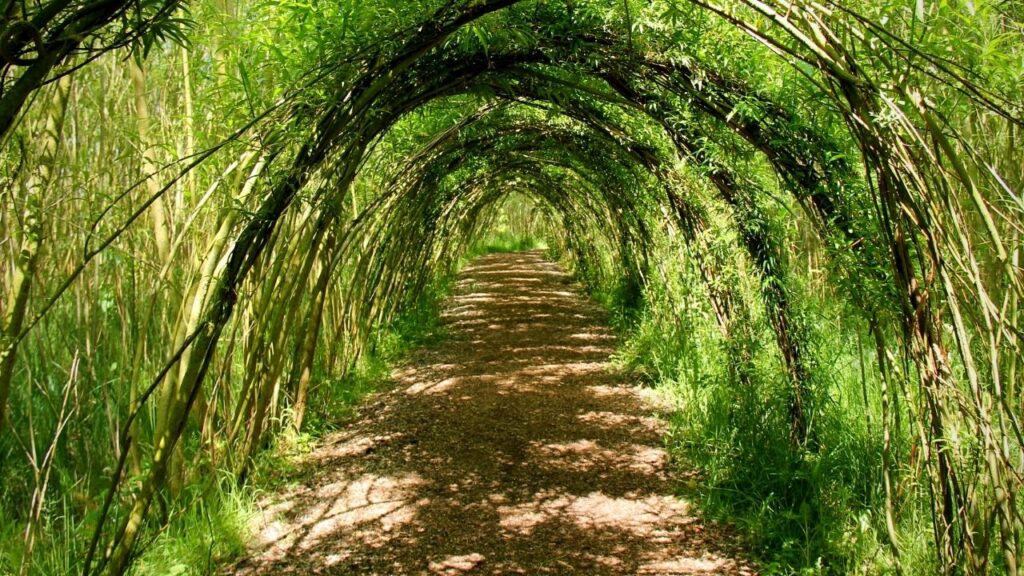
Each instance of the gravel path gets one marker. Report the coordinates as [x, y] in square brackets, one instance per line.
[513, 447]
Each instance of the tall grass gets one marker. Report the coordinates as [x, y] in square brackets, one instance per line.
[800, 511]
[208, 523]
[506, 242]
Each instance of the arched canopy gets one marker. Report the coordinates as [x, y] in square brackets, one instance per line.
[623, 125]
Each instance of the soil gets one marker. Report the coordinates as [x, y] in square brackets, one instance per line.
[513, 447]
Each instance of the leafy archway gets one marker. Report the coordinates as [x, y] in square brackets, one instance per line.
[676, 129]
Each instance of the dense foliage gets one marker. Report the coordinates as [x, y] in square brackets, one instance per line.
[217, 218]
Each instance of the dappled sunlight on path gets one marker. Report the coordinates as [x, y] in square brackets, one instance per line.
[513, 448]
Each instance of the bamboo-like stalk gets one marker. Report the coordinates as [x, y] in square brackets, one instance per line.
[30, 238]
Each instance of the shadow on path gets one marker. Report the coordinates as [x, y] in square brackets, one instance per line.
[512, 448]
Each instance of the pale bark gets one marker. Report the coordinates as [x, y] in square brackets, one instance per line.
[29, 241]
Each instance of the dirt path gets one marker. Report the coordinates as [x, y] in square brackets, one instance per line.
[512, 448]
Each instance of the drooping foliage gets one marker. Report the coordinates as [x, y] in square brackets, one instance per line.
[804, 216]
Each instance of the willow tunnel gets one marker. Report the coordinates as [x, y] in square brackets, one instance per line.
[802, 176]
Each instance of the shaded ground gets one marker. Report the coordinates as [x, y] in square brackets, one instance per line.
[513, 448]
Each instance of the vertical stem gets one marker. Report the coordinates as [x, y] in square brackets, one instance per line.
[23, 268]
[158, 210]
[190, 138]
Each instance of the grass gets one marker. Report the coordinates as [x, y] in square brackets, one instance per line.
[211, 532]
[800, 511]
[214, 530]
[505, 242]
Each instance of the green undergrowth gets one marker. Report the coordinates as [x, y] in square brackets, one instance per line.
[799, 509]
[503, 243]
[624, 310]
[214, 529]
[205, 527]
[417, 325]
[210, 532]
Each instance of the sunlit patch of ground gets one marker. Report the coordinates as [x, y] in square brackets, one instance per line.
[587, 456]
[616, 419]
[512, 448]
